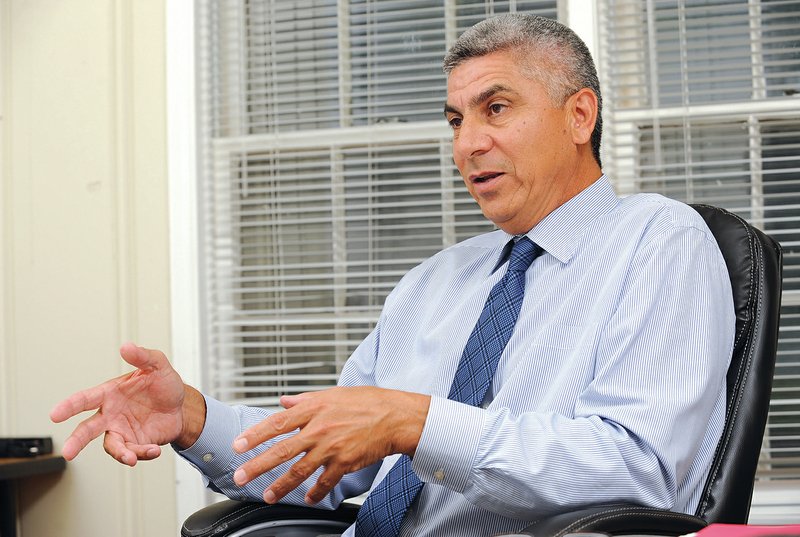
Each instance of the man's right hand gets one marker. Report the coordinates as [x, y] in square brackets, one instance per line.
[138, 412]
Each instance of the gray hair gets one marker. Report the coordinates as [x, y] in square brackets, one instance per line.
[547, 51]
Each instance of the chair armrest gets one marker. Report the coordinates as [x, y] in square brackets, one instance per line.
[230, 515]
[616, 520]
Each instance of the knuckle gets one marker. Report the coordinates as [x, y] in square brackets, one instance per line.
[299, 471]
[282, 451]
[342, 447]
[329, 478]
[279, 488]
[279, 422]
[347, 458]
[326, 483]
[325, 428]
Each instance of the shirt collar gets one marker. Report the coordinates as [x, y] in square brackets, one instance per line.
[558, 233]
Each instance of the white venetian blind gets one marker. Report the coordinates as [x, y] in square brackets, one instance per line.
[703, 104]
[326, 174]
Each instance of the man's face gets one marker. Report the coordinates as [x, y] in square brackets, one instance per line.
[512, 145]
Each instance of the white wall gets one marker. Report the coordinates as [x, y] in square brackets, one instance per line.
[85, 242]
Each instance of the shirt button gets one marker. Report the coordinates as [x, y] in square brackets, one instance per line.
[208, 457]
[438, 475]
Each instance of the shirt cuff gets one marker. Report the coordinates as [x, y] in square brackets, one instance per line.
[213, 453]
[449, 443]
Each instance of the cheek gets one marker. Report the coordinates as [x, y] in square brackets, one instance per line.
[523, 149]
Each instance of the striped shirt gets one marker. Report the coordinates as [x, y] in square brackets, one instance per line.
[611, 389]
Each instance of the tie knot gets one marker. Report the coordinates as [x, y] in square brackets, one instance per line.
[522, 254]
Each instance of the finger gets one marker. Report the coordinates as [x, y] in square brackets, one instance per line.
[267, 429]
[142, 358]
[92, 398]
[129, 452]
[281, 452]
[115, 446]
[89, 399]
[297, 474]
[324, 485]
[85, 432]
[289, 401]
[145, 452]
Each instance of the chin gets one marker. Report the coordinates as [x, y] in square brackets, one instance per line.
[505, 226]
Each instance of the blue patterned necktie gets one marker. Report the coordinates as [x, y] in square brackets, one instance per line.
[386, 505]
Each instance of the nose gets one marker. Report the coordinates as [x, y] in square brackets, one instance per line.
[472, 139]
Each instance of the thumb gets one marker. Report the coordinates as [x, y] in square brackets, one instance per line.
[288, 401]
[142, 358]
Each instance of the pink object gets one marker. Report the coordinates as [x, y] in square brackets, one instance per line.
[735, 530]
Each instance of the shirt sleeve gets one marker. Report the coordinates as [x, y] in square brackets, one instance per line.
[657, 385]
[214, 457]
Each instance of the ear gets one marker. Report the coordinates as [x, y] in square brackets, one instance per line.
[582, 107]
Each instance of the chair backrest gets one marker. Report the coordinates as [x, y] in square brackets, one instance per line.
[755, 265]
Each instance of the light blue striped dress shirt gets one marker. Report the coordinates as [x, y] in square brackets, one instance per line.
[612, 387]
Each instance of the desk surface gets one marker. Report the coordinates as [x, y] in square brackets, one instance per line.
[14, 468]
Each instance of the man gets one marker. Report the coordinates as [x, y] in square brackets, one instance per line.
[607, 385]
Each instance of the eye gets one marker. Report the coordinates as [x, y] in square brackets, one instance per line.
[496, 108]
[455, 122]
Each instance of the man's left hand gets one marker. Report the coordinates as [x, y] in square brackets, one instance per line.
[340, 429]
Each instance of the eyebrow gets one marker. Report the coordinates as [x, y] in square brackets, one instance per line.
[480, 98]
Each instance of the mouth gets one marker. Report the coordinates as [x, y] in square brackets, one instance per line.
[485, 177]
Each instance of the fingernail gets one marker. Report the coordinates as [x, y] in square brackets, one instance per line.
[239, 477]
[269, 496]
[240, 444]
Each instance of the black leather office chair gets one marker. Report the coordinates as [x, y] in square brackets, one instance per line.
[755, 264]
